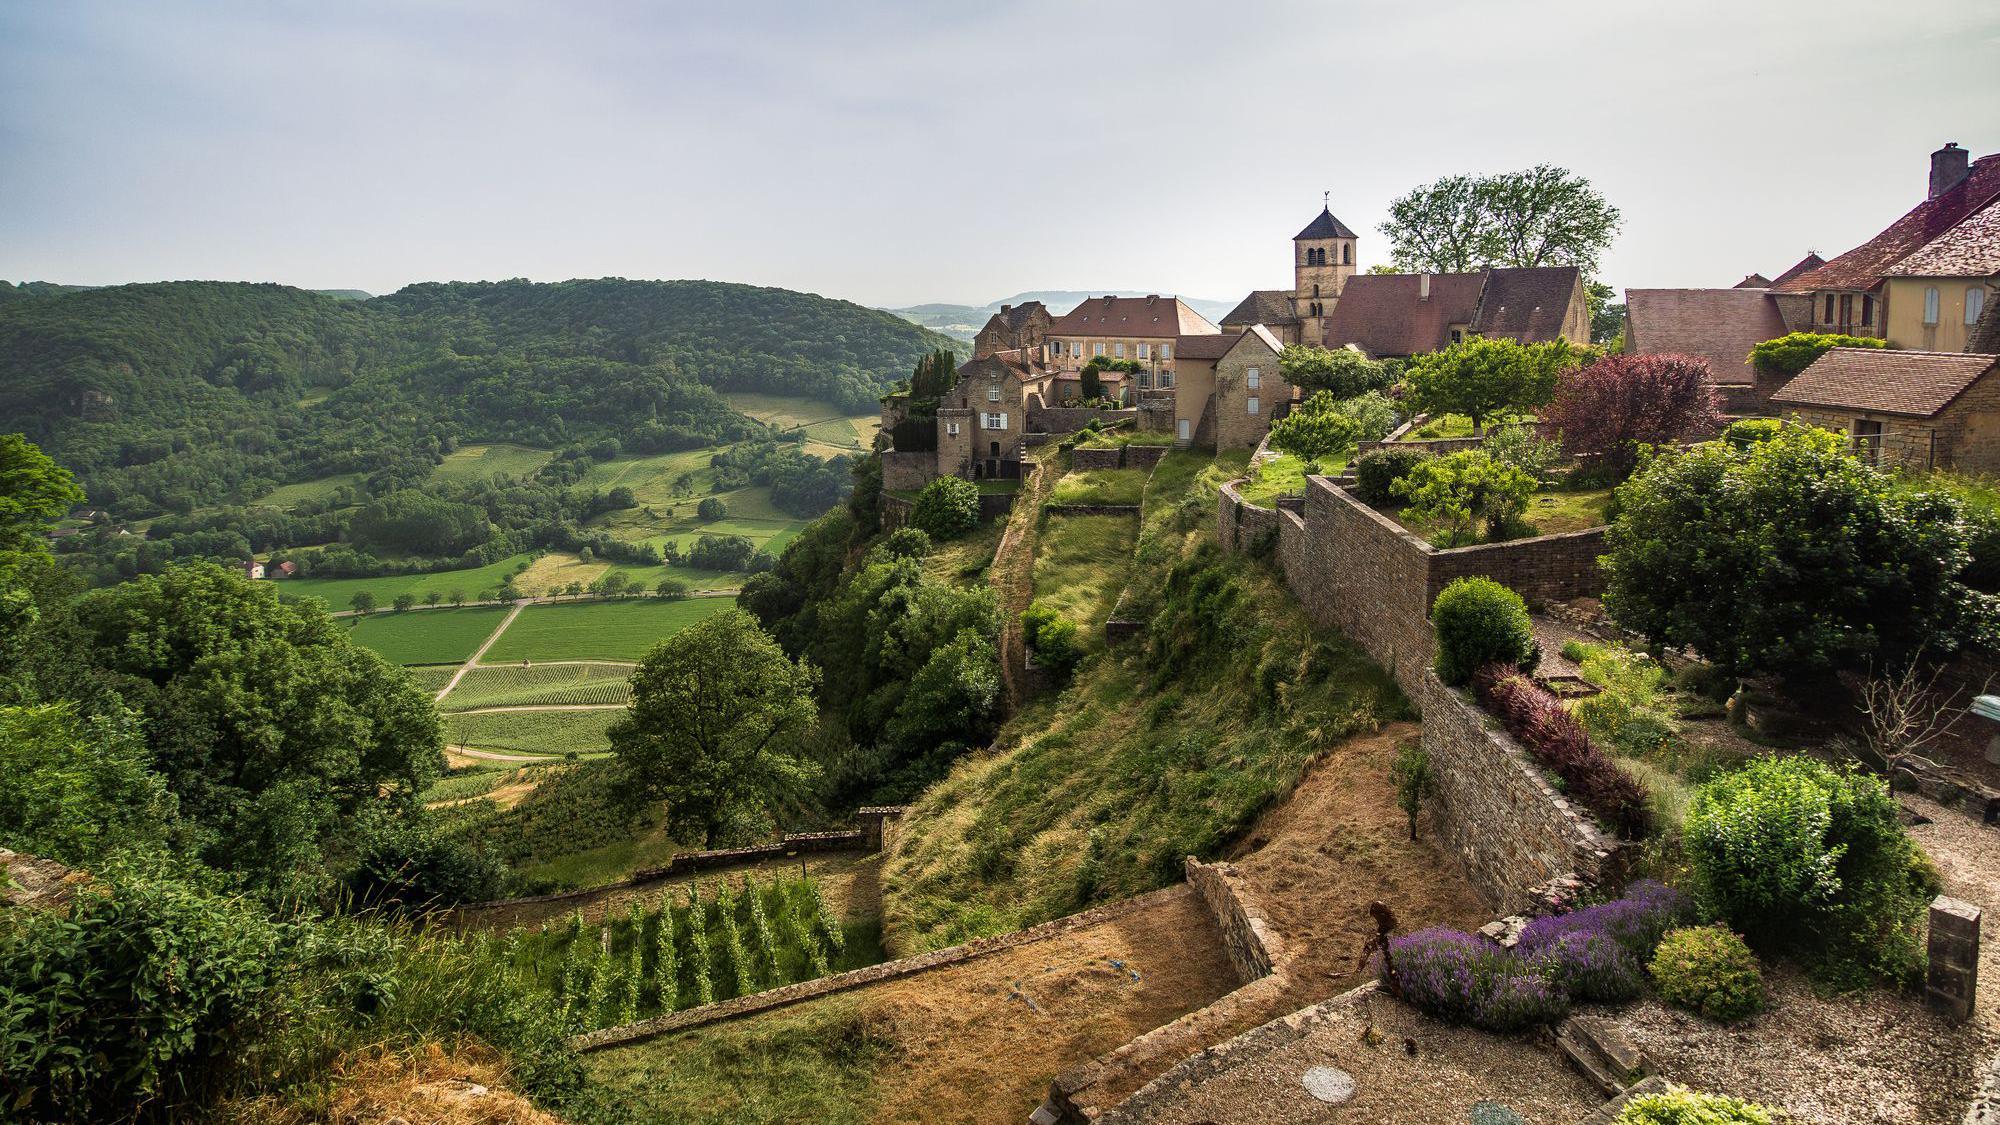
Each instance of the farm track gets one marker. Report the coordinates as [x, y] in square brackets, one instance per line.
[494, 756]
[473, 660]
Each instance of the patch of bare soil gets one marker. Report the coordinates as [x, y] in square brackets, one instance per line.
[1340, 842]
[506, 796]
[433, 1087]
[851, 884]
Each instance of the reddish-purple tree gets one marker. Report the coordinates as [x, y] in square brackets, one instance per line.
[1606, 410]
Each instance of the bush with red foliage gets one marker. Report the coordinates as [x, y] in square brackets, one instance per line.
[1542, 724]
[1607, 410]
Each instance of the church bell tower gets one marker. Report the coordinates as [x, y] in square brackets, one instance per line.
[1322, 261]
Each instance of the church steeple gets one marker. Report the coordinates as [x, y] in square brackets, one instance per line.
[1322, 261]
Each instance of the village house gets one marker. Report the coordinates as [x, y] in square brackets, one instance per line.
[253, 570]
[1904, 409]
[1013, 328]
[1227, 388]
[1142, 329]
[982, 422]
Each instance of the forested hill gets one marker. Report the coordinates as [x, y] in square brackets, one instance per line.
[179, 394]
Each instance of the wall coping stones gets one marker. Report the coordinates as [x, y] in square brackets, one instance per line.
[1092, 509]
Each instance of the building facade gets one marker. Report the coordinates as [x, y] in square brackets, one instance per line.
[1141, 329]
[1904, 409]
[1228, 389]
[1013, 328]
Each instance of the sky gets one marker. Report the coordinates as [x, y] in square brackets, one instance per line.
[907, 151]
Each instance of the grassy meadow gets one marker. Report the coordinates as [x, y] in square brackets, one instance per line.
[614, 630]
[427, 636]
[335, 593]
[1081, 564]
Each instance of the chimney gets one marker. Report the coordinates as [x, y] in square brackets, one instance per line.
[1948, 168]
[1423, 287]
[1152, 296]
[1005, 309]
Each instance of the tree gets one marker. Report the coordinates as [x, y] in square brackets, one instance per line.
[711, 509]
[362, 602]
[1790, 557]
[1607, 316]
[1090, 384]
[457, 598]
[1542, 216]
[404, 601]
[721, 552]
[1315, 431]
[34, 494]
[433, 598]
[1793, 352]
[947, 508]
[1415, 781]
[1457, 489]
[1480, 378]
[717, 712]
[1342, 372]
[671, 589]
[79, 788]
[1607, 410]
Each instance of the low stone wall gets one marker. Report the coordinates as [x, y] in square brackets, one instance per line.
[1239, 523]
[993, 505]
[903, 471]
[1253, 947]
[1081, 458]
[1070, 419]
[1092, 509]
[894, 511]
[856, 978]
[1145, 456]
[1501, 813]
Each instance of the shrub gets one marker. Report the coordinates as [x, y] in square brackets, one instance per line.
[1630, 710]
[1685, 1107]
[1464, 979]
[1482, 377]
[1794, 352]
[1459, 490]
[1374, 414]
[1518, 446]
[1797, 855]
[1592, 968]
[1750, 431]
[711, 509]
[1377, 471]
[907, 543]
[1316, 430]
[1710, 972]
[1607, 410]
[947, 508]
[1540, 721]
[1636, 921]
[1052, 638]
[1415, 782]
[1343, 372]
[1479, 622]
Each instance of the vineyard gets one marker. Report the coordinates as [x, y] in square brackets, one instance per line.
[696, 945]
[431, 678]
[539, 686]
[425, 636]
[613, 630]
[533, 732]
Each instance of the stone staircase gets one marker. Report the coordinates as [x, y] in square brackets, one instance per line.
[1602, 1054]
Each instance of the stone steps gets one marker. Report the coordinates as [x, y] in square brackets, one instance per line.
[1601, 1053]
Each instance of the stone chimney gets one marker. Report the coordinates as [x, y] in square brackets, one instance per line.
[1005, 309]
[1949, 166]
[1423, 287]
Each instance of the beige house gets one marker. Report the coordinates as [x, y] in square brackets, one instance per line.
[982, 421]
[1904, 409]
[1937, 295]
[1227, 389]
[1142, 329]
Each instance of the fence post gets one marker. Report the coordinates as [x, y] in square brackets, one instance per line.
[1953, 977]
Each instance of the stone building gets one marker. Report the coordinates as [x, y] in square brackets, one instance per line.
[1141, 329]
[1227, 388]
[1904, 409]
[1271, 308]
[1012, 328]
[982, 421]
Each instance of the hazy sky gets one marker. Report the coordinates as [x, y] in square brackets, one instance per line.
[932, 150]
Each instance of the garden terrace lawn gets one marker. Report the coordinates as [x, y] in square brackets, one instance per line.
[968, 557]
[1118, 439]
[481, 462]
[539, 685]
[1284, 475]
[1100, 486]
[533, 732]
[1459, 426]
[1550, 512]
[1081, 564]
[615, 630]
[426, 636]
[335, 593]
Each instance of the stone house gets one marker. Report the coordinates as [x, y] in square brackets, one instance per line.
[1904, 409]
[982, 421]
[1142, 329]
[1227, 389]
[1012, 328]
[1271, 308]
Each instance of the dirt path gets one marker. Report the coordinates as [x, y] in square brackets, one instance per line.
[472, 661]
[505, 796]
[1012, 576]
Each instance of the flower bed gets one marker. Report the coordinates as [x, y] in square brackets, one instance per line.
[1542, 724]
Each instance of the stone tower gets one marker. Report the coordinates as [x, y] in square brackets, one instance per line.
[1322, 261]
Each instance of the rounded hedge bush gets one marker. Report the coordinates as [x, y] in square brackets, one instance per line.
[947, 508]
[1680, 1106]
[1479, 622]
[1378, 469]
[908, 543]
[1708, 971]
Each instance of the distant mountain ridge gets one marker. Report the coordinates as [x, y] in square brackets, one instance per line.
[965, 321]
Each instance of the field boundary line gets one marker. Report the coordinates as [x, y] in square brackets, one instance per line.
[472, 661]
[513, 708]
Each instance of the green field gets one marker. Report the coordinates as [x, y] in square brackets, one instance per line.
[1100, 486]
[426, 636]
[620, 630]
[479, 462]
[827, 430]
[510, 685]
[289, 495]
[336, 592]
[533, 732]
[431, 678]
[1080, 568]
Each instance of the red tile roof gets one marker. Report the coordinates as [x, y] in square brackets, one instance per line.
[1886, 381]
[1864, 266]
[1806, 264]
[1970, 249]
[1137, 317]
[1718, 325]
[1213, 346]
[1382, 314]
[1526, 304]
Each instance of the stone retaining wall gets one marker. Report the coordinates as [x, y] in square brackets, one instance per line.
[1253, 947]
[903, 471]
[1081, 458]
[1092, 509]
[1070, 419]
[1500, 811]
[894, 511]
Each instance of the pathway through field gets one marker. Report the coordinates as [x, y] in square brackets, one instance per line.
[473, 660]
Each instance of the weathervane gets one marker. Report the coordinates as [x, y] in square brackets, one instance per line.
[1326, 200]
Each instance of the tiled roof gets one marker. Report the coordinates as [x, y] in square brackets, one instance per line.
[1016, 317]
[1263, 306]
[1718, 325]
[1864, 266]
[1885, 381]
[1212, 346]
[1382, 314]
[1526, 304]
[1806, 264]
[1985, 336]
[1325, 226]
[1023, 364]
[1970, 249]
[1149, 317]
[1754, 281]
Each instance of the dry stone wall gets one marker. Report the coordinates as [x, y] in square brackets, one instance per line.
[904, 471]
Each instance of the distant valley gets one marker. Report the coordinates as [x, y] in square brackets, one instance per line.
[963, 322]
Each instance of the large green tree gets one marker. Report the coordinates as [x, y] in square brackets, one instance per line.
[1342, 372]
[1790, 557]
[1541, 216]
[1315, 431]
[34, 493]
[1480, 378]
[718, 712]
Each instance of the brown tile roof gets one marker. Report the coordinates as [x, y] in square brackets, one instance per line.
[1806, 264]
[1526, 304]
[1212, 346]
[1325, 226]
[1864, 266]
[1017, 316]
[1985, 336]
[1970, 249]
[1886, 381]
[1263, 306]
[1718, 325]
[1148, 317]
[1023, 364]
[1382, 314]
[1754, 281]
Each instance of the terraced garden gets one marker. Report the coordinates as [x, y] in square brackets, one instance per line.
[540, 685]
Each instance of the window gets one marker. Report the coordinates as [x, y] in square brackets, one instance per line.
[1118, 350]
[1975, 303]
[993, 421]
[1867, 439]
[1145, 351]
[1347, 254]
[992, 392]
[1252, 404]
[1828, 318]
[951, 429]
[1458, 335]
[1315, 290]
[1097, 349]
[1166, 379]
[1166, 351]
[1253, 379]
[1931, 305]
[1182, 433]
[1867, 309]
[1145, 380]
